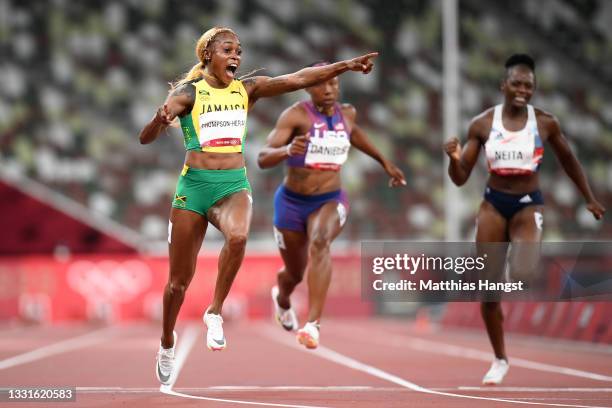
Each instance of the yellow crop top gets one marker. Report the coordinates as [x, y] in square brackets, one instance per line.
[217, 122]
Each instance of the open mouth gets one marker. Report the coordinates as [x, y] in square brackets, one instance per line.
[520, 99]
[231, 69]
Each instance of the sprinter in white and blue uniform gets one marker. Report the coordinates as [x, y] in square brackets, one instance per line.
[513, 153]
[310, 208]
[513, 136]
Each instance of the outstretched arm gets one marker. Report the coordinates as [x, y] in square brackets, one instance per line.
[462, 160]
[570, 164]
[277, 147]
[178, 103]
[262, 86]
[360, 140]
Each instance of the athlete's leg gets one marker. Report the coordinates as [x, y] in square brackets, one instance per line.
[492, 227]
[293, 249]
[323, 227]
[232, 216]
[525, 230]
[186, 234]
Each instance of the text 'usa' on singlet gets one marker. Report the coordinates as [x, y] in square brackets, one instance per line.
[329, 142]
[514, 153]
[217, 122]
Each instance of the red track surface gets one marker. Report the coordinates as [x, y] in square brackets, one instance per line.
[264, 365]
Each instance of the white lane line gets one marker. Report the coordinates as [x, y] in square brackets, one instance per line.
[331, 355]
[466, 352]
[63, 346]
[533, 389]
[436, 347]
[334, 388]
[561, 399]
[265, 404]
[186, 342]
[290, 388]
[117, 390]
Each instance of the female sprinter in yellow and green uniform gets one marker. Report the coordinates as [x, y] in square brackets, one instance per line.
[216, 124]
[212, 107]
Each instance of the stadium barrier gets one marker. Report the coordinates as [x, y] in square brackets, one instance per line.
[112, 288]
[577, 320]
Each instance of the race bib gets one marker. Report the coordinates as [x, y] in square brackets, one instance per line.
[223, 128]
[328, 152]
[511, 155]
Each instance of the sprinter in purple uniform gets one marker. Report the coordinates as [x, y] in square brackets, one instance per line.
[310, 208]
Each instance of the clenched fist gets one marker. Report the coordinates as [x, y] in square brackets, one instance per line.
[297, 147]
[452, 147]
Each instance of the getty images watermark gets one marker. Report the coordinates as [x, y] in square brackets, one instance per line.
[459, 265]
[462, 271]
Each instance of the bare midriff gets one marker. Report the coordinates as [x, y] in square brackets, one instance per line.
[214, 161]
[312, 181]
[519, 184]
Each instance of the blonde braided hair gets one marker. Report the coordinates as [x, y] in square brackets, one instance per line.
[208, 38]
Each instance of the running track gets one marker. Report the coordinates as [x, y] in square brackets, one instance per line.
[364, 363]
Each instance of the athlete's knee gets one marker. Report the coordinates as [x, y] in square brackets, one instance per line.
[237, 240]
[320, 242]
[525, 263]
[292, 277]
[295, 278]
[177, 287]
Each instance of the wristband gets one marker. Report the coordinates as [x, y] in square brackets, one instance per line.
[289, 150]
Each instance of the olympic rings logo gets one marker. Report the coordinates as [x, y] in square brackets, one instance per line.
[109, 281]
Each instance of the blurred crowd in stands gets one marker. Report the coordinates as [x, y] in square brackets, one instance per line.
[79, 80]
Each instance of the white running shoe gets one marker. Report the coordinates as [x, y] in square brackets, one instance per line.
[309, 335]
[497, 372]
[215, 340]
[165, 363]
[285, 317]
